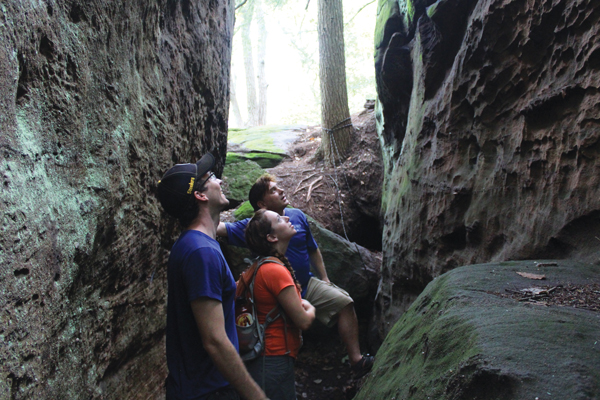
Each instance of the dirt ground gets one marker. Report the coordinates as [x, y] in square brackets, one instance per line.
[569, 295]
[322, 369]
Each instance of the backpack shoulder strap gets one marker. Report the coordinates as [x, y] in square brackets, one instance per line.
[256, 265]
[253, 270]
[271, 259]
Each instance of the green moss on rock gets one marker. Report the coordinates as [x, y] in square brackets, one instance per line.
[265, 160]
[233, 158]
[240, 177]
[268, 138]
[384, 13]
[415, 357]
[244, 211]
[463, 339]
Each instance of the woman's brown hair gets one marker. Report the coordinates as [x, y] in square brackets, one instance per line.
[256, 239]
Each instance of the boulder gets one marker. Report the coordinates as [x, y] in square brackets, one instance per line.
[271, 138]
[264, 159]
[350, 266]
[245, 210]
[465, 337]
[238, 179]
[265, 145]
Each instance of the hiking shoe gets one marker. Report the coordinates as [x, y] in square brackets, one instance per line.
[363, 367]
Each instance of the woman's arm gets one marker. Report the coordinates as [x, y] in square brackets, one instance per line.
[301, 312]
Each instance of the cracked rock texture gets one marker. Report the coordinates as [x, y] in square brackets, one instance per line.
[489, 119]
[98, 100]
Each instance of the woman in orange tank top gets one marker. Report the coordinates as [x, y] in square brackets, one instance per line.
[268, 234]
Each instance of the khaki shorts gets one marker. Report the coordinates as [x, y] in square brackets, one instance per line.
[328, 300]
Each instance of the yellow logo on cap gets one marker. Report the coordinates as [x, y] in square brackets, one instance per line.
[191, 186]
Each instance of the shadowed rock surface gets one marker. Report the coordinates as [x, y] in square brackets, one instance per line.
[488, 116]
[98, 100]
[461, 339]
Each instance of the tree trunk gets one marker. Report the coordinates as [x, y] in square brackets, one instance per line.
[251, 103]
[235, 108]
[262, 51]
[335, 115]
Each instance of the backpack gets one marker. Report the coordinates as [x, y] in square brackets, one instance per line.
[251, 334]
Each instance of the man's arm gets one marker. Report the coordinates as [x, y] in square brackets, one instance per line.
[234, 232]
[211, 325]
[222, 229]
[316, 259]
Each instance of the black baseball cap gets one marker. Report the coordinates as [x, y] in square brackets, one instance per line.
[177, 184]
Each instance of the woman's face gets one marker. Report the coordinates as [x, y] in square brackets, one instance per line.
[281, 228]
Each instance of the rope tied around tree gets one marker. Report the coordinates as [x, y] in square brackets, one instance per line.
[338, 191]
[338, 126]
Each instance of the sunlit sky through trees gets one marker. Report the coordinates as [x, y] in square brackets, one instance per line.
[292, 60]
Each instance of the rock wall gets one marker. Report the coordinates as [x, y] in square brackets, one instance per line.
[98, 99]
[489, 119]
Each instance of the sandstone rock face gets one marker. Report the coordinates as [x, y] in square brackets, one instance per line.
[464, 338]
[98, 100]
[489, 119]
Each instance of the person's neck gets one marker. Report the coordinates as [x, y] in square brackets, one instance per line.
[206, 223]
[281, 246]
[280, 212]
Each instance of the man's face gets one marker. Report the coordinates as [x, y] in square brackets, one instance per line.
[274, 199]
[214, 192]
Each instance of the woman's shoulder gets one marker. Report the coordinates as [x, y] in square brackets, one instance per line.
[275, 273]
[273, 266]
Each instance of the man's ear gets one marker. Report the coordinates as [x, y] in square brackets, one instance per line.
[272, 238]
[200, 196]
[260, 204]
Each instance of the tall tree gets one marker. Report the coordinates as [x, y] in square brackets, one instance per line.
[335, 115]
[235, 108]
[251, 101]
[260, 61]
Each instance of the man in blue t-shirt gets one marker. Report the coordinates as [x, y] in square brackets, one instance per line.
[202, 344]
[332, 303]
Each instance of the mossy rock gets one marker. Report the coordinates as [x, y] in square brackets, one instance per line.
[348, 265]
[267, 138]
[464, 339]
[239, 178]
[265, 160]
[245, 210]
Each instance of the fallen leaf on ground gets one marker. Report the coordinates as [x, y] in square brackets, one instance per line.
[534, 291]
[317, 381]
[531, 276]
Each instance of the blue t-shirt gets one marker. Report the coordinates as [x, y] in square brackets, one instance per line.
[299, 246]
[196, 269]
